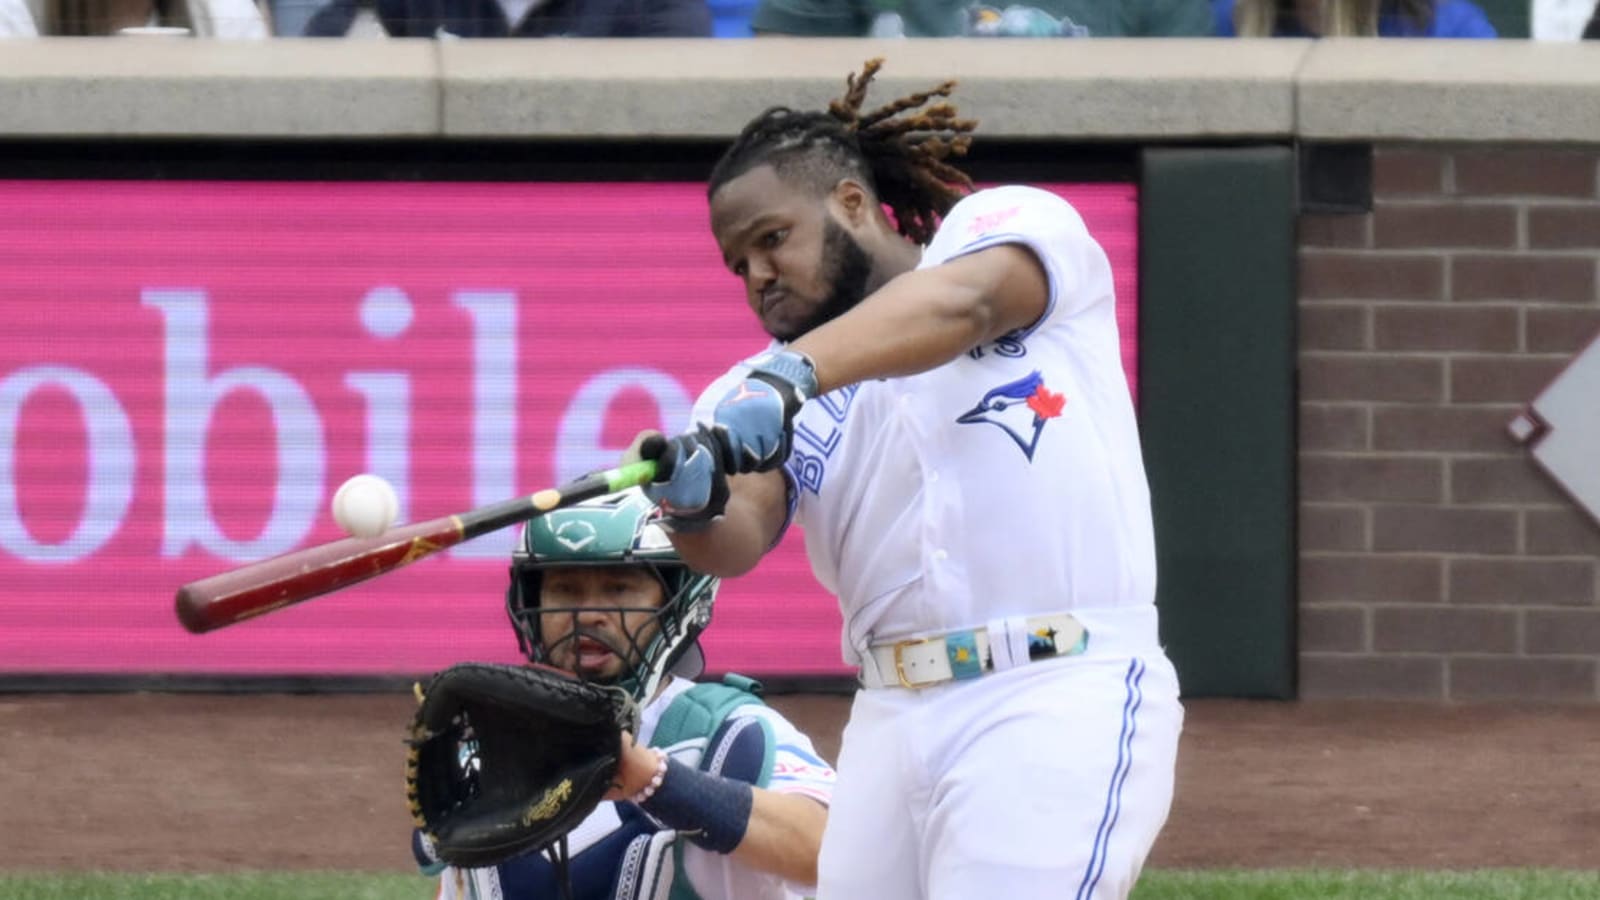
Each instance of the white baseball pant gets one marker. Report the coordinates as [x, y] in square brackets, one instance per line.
[1049, 780]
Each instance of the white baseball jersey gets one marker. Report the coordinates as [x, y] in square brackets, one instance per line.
[797, 769]
[1007, 482]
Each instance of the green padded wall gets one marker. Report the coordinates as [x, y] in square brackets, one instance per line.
[1217, 411]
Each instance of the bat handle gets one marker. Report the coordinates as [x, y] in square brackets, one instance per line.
[634, 474]
[607, 481]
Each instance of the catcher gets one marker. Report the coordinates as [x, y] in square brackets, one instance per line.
[695, 790]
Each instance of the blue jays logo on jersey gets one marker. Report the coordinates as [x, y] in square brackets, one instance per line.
[1019, 408]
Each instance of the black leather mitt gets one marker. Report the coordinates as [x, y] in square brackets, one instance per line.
[508, 759]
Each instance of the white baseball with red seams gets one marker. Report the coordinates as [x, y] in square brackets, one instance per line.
[1005, 484]
[365, 506]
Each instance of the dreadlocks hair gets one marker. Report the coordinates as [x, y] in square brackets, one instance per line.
[901, 158]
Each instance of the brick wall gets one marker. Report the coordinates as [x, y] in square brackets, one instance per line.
[1436, 561]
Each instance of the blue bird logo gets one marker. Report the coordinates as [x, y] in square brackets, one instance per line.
[1019, 408]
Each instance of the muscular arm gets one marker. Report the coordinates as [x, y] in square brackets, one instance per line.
[916, 322]
[783, 836]
[927, 317]
[736, 541]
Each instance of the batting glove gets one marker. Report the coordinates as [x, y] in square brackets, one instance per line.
[690, 486]
[755, 420]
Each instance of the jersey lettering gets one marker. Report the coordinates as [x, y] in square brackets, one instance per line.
[987, 222]
[808, 470]
[810, 466]
[1009, 346]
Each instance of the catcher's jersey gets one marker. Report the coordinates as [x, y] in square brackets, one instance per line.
[796, 769]
[1006, 482]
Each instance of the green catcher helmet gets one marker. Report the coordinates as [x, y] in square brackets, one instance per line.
[615, 530]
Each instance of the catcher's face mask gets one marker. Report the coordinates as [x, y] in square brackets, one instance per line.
[598, 621]
[620, 605]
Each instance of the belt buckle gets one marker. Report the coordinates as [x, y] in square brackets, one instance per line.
[899, 661]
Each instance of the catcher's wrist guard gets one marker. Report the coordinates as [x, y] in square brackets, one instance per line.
[710, 810]
[507, 759]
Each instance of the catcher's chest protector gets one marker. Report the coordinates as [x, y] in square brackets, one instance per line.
[700, 712]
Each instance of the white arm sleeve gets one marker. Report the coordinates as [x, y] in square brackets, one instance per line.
[1076, 265]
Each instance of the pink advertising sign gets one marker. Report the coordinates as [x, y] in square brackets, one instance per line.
[189, 369]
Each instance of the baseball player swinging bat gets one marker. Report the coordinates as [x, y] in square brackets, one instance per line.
[271, 584]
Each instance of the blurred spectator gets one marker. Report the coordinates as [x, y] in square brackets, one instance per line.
[1351, 18]
[238, 19]
[1591, 32]
[958, 18]
[201, 18]
[16, 19]
[1553, 20]
[520, 18]
[731, 18]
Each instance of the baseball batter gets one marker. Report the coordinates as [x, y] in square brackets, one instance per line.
[944, 412]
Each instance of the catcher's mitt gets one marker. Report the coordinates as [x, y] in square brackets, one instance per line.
[508, 759]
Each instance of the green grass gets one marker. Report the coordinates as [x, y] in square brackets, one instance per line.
[1485, 884]
[235, 886]
[1488, 884]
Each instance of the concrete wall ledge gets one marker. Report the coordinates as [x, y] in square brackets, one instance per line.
[1100, 90]
[166, 87]
[1471, 91]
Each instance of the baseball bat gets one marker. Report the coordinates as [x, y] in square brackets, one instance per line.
[272, 584]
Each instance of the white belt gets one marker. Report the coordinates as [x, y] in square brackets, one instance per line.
[969, 653]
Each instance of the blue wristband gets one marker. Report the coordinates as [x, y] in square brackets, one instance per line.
[792, 367]
[709, 810]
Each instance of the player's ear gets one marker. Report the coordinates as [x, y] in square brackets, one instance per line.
[853, 200]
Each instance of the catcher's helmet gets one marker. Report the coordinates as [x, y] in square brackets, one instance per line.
[617, 529]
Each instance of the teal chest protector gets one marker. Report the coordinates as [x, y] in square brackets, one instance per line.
[701, 712]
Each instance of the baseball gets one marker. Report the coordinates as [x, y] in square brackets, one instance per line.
[365, 506]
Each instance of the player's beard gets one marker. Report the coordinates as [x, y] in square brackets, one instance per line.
[847, 283]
